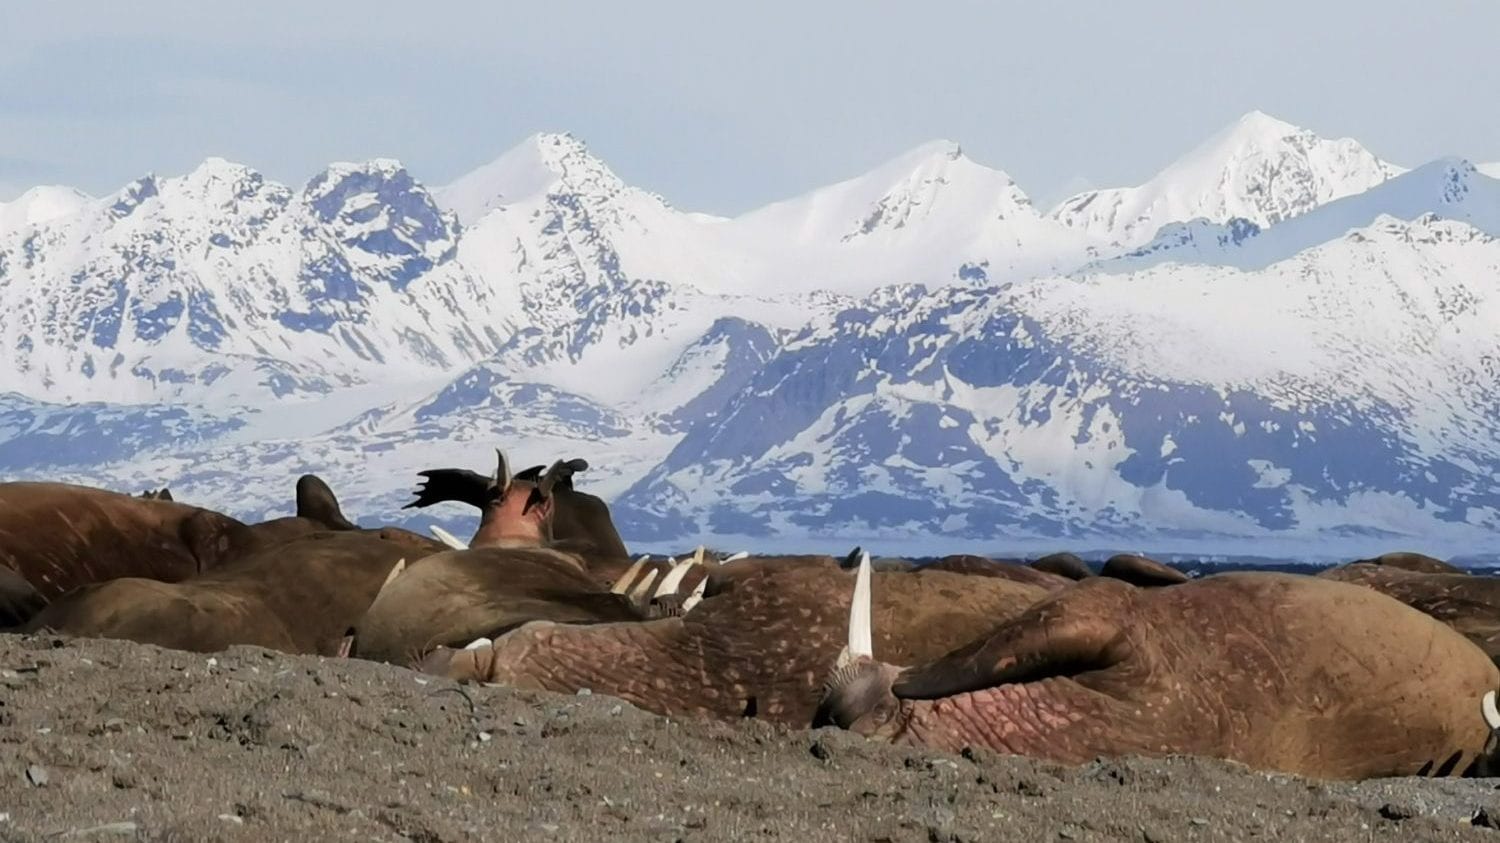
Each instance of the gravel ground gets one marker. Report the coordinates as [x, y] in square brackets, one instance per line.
[106, 740]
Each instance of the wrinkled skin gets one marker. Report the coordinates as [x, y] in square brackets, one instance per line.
[1467, 603]
[1064, 565]
[1141, 571]
[298, 597]
[1278, 672]
[761, 648]
[452, 598]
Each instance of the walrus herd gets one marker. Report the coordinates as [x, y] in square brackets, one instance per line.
[1381, 667]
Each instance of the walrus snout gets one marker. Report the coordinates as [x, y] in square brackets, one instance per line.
[858, 698]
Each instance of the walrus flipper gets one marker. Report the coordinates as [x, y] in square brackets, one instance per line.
[1056, 638]
[19, 599]
[452, 484]
[317, 502]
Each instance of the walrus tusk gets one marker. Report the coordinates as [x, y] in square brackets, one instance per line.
[744, 554]
[643, 587]
[1491, 712]
[447, 538]
[622, 585]
[696, 597]
[698, 555]
[861, 639]
[673, 579]
[477, 643]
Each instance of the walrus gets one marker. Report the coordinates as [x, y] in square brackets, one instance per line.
[1142, 571]
[759, 649]
[1278, 672]
[1469, 604]
[507, 576]
[580, 521]
[297, 597]
[1064, 565]
[1419, 563]
[59, 536]
[979, 566]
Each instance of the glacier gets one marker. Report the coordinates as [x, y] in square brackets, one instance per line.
[1280, 343]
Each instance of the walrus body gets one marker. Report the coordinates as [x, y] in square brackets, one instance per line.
[299, 597]
[1278, 672]
[761, 648]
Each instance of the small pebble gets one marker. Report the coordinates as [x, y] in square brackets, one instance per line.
[37, 775]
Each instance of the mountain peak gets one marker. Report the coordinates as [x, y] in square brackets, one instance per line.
[546, 162]
[40, 205]
[1258, 168]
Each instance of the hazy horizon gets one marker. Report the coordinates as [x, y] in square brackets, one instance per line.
[722, 110]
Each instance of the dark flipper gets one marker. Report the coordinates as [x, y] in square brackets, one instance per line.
[19, 600]
[452, 484]
[315, 501]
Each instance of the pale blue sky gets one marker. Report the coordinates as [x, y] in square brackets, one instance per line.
[719, 106]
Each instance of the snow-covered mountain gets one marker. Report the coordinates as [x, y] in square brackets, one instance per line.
[1492, 169]
[1449, 188]
[1352, 390]
[1280, 338]
[223, 286]
[1259, 169]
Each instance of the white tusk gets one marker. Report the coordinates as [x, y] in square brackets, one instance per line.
[744, 554]
[643, 587]
[1491, 712]
[673, 579]
[622, 585]
[861, 639]
[395, 572]
[696, 597]
[447, 538]
[477, 643]
[698, 554]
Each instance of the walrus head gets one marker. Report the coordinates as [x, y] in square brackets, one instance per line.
[858, 695]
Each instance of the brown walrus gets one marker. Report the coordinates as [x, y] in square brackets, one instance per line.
[580, 521]
[979, 566]
[59, 536]
[759, 649]
[1142, 571]
[1278, 672]
[1416, 562]
[296, 597]
[1064, 565]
